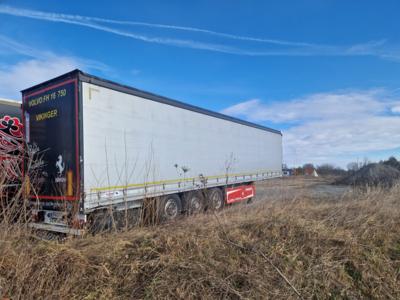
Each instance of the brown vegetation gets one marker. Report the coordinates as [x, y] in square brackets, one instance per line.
[322, 248]
[374, 174]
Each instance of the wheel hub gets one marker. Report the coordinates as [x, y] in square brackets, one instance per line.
[216, 202]
[195, 204]
[171, 209]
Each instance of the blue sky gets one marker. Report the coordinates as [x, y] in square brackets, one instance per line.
[327, 73]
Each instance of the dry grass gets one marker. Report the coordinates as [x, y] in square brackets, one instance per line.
[348, 248]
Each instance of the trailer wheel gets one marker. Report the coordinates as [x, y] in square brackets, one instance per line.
[216, 199]
[100, 221]
[194, 202]
[169, 207]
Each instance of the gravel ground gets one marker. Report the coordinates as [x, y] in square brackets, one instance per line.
[296, 186]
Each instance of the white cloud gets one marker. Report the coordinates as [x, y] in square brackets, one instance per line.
[11, 46]
[313, 107]
[27, 73]
[35, 66]
[330, 127]
[395, 109]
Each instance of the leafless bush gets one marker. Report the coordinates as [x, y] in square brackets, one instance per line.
[15, 185]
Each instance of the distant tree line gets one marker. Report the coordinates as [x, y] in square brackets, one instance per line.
[352, 167]
[393, 162]
[330, 169]
[355, 166]
[324, 169]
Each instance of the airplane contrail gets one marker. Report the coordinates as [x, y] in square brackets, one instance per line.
[293, 48]
[51, 16]
[69, 19]
[199, 30]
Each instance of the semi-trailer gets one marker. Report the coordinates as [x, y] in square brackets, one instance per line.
[104, 146]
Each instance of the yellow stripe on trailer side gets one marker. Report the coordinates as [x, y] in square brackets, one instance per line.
[171, 181]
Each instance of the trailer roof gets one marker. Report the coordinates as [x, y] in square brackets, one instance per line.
[147, 95]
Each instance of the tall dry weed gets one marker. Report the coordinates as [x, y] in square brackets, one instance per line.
[325, 248]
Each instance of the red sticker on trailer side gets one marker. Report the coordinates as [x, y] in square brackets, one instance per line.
[240, 193]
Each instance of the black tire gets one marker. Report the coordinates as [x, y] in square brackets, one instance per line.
[125, 219]
[100, 221]
[215, 199]
[169, 208]
[194, 202]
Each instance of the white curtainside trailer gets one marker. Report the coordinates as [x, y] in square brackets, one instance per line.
[103, 145]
